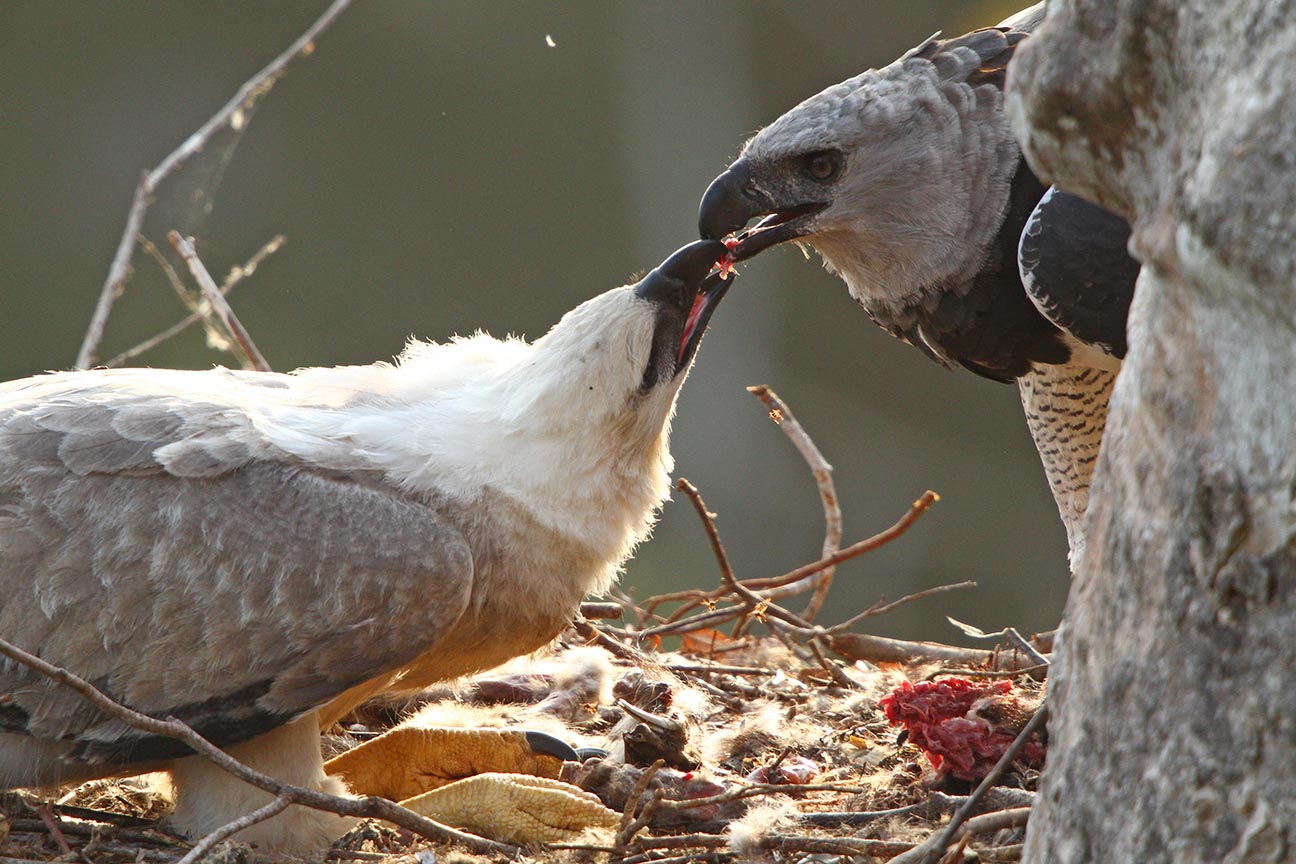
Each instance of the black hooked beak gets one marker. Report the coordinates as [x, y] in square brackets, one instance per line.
[687, 297]
[680, 275]
[734, 198]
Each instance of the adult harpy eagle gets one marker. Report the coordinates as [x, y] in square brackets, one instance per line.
[255, 553]
[908, 182]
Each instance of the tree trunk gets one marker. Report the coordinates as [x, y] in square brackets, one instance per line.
[1174, 689]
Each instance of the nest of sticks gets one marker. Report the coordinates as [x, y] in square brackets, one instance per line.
[766, 739]
[772, 739]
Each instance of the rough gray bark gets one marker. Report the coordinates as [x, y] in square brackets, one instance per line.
[1174, 690]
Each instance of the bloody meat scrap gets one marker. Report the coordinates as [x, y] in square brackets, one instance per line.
[964, 727]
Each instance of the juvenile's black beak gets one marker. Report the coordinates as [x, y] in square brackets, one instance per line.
[677, 278]
[686, 291]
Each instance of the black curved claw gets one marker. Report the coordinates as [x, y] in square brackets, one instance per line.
[547, 745]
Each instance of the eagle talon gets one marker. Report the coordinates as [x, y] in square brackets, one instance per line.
[542, 743]
[411, 760]
[500, 783]
[516, 808]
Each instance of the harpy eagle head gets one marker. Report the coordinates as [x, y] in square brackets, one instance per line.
[636, 342]
[898, 177]
[575, 424]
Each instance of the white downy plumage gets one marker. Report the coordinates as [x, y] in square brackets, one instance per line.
[255, 553]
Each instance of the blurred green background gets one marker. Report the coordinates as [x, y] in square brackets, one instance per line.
[439, 167]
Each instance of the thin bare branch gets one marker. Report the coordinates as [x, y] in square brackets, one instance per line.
[153, 341]
[630, 823]
[791, 844]
[881, 649]
[739, 791]
[118, 271]
[932, 808]
[798, 843]
[242, 271]
[714, 618]
[1039, 671]
[997, 821]
[840, 678]
[1023, 645]
[760, 588]
[187, 297]
[200, 311]
[715, 668]
[233, 278]
[822, 471]
[757, 605]
[916, 510]
[222, 311]
[713, 534]
[690, 858]
[261, 814]
[591, 609]
[46, 814]
[881, 608]
[595, 635]
[234, 112]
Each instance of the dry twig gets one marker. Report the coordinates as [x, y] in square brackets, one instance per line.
[822, 471]
[251, 356]
[738, 792]
[590, 609]
[187, 298]
[46, 814]
[787, 843]
[1023, 645]
[206, 844]
[758, 587]
[939, 803]
[916, 510]
[630, 823]
[881, 607]
[200, 313]
[590, 633]
[234, 113]
[881, 649]
[840, 678]
[755, 605]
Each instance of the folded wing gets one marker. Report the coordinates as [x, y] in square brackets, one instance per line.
[154, 543]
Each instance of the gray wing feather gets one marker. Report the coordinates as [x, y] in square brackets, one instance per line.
[152, 544]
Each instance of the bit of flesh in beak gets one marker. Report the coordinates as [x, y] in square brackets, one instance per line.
[777, 227]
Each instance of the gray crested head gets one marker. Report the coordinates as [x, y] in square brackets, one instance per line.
[899, 177]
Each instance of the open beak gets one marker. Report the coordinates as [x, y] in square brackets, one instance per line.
[734, 198]
[688, 285]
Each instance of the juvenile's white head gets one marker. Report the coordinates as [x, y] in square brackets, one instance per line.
[898, 177]
[574, 426]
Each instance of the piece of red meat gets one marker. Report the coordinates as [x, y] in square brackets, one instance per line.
[726, 262]
[935, 714]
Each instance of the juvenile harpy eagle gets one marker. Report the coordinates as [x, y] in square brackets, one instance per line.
[908, 182]
[255, 553]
